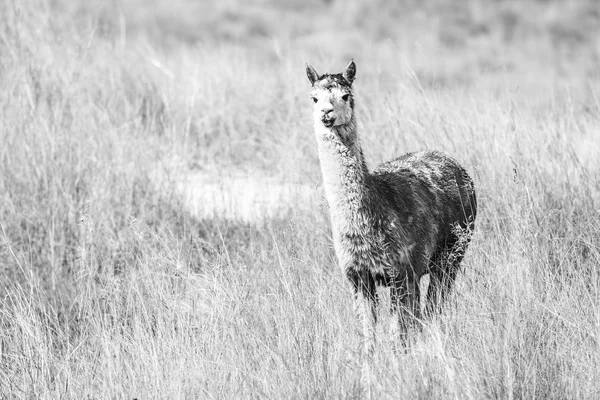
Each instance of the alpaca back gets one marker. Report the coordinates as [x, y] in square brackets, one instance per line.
[430, 192]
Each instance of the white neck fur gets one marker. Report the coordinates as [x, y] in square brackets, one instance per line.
[344, 172]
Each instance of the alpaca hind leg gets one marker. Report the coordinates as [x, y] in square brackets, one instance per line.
[443, 271]
[440, 285]
[434, 290]
[434, 294]
[455, 256]
[406, 304]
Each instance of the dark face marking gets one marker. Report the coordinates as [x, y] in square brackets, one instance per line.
[330, 81]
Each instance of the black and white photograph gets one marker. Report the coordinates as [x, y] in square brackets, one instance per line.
[300, 199]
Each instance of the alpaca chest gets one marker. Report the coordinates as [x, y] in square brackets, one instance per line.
[372, 251]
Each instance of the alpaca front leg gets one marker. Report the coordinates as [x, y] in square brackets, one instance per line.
[367, 310]
[366, 306]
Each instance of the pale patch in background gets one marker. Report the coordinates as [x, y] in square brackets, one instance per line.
[248, 198]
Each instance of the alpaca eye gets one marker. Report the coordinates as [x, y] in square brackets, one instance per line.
[314, 99]
[345, 97]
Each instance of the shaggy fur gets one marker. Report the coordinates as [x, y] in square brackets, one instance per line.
[409, 217]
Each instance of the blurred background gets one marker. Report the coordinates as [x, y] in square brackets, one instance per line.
[213, 53]
[442, 40]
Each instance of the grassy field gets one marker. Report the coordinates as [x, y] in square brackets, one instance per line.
[113, 288]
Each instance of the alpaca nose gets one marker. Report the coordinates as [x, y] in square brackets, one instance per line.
[327, 109]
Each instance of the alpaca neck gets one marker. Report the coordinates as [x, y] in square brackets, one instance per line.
[344, 171]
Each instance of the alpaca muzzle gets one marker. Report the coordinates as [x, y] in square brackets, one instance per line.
[328, 120]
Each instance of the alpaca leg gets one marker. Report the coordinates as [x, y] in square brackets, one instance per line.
[406, 305]
[455, 256]
[366, 304]
[436, 272]
[436, 293]
[443, 271]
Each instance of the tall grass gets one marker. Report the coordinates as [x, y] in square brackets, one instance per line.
[112, 289]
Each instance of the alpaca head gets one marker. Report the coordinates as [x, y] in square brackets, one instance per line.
[332, 96]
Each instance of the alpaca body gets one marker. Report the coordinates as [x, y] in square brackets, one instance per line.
[411, 207]
[393, 223]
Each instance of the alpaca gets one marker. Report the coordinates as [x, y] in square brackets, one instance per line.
[409, 217]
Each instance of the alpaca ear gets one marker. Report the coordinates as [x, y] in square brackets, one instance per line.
[311, 74]
[350, 72]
